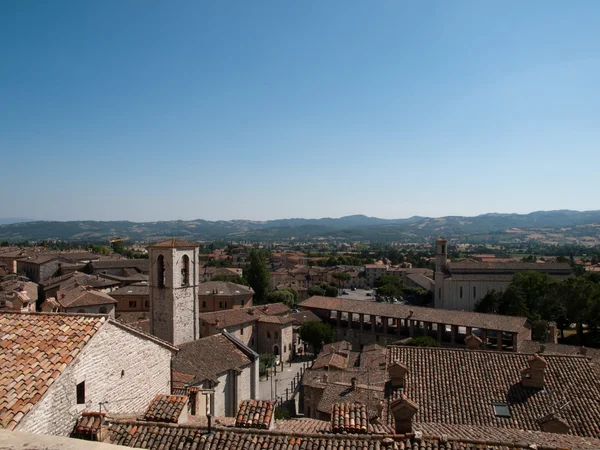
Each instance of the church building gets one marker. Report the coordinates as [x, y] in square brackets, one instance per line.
[458, 285]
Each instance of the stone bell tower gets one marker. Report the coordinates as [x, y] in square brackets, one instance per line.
[441, 258]
[173, 283]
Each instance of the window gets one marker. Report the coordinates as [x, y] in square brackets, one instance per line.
[242, 331]
[460, 292]
[81, 393]
[132, 303]
[204, 304]
[185, 270]
[242, 302]
[440, 293]
[474, 292]
[102, 310]
[276, 335]
[147, 303]
[160, 271]
[268, 335]
[222, 305]
[501, 410]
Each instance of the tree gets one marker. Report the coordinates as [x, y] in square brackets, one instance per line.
[231, 279]
[316, 333]
[389, 287]
[282, 296]
[424, 341]
[323, 290]
[258, 275]
[266, 361]
[316, 290]
[341, 276]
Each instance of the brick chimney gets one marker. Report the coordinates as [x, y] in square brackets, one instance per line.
[533, 376]
[473, 342]
[379, 408]
[354, 383]
[552, 423]
[398, 373]
[404, 411]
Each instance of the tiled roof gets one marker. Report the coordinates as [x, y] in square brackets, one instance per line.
[476, 266]
[209, 357]
[165, 408]
[170, 436]
[459, 387]
[349, 418]
[421, 280]
[231, 317]
[282, 320]
[448, 317]
[305, 316]
[274, 309]
[549, 348]
[131, 290]
[34, 350]
[255, 414]
[142, 264]
[80, 296]
[174, 243]
[224, 288]
[88, 425]
[82, 279]
[518, 438]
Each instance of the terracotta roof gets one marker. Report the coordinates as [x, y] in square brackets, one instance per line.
[549, 348]
[34, 350]
[174, 243]
[305, 316]
[448, 317]
[224, 288]
[255, 414]
[509, 437]
[460, 387]
[165, 408]
[131, 290]
[274, 309]
[88, 425]
[231, 317]
[349, 418]
[476, 266]
[142, 264]
[166, 436]
[282, 320]
[83, 279]
[209, 357]
[81, 296]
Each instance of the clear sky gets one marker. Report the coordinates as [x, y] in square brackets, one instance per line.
[145, 110]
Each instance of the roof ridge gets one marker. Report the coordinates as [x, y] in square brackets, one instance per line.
[142, 333]
[495, 352]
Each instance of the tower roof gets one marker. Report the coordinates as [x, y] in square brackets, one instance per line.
[174, 243]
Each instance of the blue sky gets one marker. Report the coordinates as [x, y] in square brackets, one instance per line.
[145, 110]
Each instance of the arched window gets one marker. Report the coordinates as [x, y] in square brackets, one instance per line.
[103, 310]
[185, 270]
[276, 350]
[160, 271]
[268, 335]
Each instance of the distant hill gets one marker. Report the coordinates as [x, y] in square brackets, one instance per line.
[561, 226]
[6, 220]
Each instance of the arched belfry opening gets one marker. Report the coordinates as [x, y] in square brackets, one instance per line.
[185, 270]
[160, 271]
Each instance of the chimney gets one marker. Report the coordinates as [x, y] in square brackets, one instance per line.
[404, 411]
[552, 423]
[582, 351]
[218, 323]
[379, 408]
[325, 378]
[533, 376]
[473, 342]
[552, 333]
[398, 373]
[354, 383]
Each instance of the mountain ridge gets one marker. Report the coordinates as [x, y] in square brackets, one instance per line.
[580, 224]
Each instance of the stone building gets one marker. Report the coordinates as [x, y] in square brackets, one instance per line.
[276, 336]
[458, 285]
[218, 295]
[173, 285]
[40, 267]
[80, 299]
[54, 366]
[216, 373]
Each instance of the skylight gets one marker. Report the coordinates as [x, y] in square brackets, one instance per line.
[501, 410]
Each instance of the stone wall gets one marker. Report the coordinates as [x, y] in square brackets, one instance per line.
[119, 367]
[94, 309]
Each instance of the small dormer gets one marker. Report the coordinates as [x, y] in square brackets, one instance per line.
[404, 411]
[534, 375]
[552, 423]
[398, 373]
[473, 342]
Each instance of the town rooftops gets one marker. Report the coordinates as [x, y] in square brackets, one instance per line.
[143, 265]
[223, 288]
[132, 289]
[174, 243]
[462, 387]
[207, 358]
[34, 350]
[239, 316]
[459, 318]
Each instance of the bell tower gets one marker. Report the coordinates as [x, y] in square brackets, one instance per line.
[441, 258]
[173, 284]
